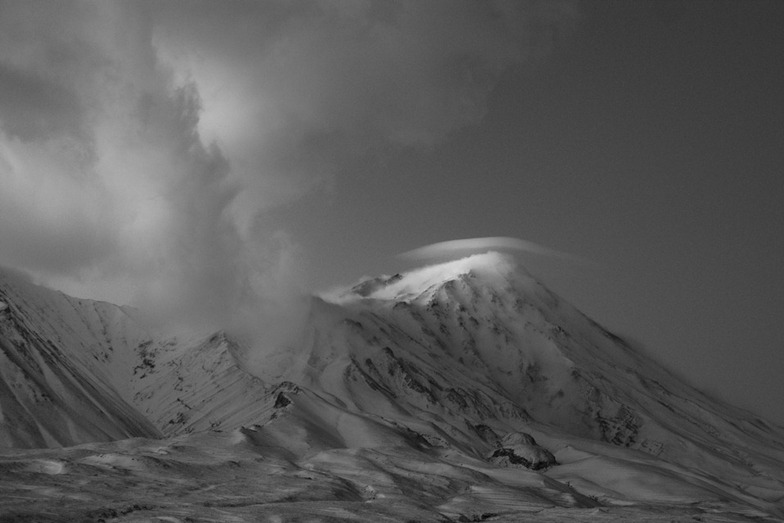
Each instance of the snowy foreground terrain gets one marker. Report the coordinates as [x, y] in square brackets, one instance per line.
[459, 392]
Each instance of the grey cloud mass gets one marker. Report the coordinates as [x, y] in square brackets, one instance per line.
[293, 89]
[141, 143]
[32, 107]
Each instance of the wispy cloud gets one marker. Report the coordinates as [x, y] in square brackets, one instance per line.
[141, 142]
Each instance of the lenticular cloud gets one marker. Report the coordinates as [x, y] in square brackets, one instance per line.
[455, 248]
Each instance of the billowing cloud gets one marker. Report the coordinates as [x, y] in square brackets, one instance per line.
[141, 142]
[295, 88]
[109, 190]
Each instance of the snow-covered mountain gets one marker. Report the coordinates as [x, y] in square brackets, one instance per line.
[66, 368]
[75, 371]
[465, 389]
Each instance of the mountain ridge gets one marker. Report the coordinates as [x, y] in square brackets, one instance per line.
[473, 363]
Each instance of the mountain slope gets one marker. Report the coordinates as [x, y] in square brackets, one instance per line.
[462, 390]
[57, 354]
[76, 371]
[469, 351]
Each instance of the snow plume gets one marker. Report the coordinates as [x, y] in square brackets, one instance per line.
[141, 143]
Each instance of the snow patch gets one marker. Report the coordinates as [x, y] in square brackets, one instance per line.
[47, 466]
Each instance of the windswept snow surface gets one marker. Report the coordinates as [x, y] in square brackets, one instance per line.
[459, 391]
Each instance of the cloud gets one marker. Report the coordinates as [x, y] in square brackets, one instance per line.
[460, 248]
[120, 198]
[142, 142]
[296, 88]
[32, 107]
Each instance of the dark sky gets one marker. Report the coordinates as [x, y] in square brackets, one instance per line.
[217, 157]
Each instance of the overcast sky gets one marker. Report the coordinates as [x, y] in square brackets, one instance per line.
[213, 159]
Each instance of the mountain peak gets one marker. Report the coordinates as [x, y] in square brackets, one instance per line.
[490, 267]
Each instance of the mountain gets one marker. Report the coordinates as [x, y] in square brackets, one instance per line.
[461, 390]
[64, 368]
[75, 371]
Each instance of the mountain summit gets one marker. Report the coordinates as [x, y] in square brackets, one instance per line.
[491, 267]
[460, 390]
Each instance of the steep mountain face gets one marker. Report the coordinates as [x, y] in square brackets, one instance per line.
[465, 389]
[63, 369]
[186, 386]
[74, 371]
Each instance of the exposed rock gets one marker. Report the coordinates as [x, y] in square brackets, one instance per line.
[519, 449]
[282, 401]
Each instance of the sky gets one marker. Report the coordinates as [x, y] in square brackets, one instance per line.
[211, 161]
